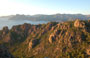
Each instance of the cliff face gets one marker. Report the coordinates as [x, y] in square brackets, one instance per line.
[52, 40]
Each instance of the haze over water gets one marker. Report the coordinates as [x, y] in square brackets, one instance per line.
[10, 23]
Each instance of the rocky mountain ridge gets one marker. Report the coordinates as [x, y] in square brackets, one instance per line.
[52, 40]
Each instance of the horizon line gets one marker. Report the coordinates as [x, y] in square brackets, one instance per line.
[44, 14]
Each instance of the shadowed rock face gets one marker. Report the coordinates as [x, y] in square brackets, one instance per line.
[4, 53]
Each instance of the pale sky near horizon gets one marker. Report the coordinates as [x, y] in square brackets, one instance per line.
[31, 7]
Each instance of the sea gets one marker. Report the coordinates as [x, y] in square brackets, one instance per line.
[6, 22]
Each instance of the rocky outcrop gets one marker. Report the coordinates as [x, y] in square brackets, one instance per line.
[88, 51]
[79, 23]
[52, 38]
[33, 43]
[7, 38]
[5, 30]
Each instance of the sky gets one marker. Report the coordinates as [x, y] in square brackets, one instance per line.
[32, 7]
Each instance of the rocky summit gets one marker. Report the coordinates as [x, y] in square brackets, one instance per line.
[69, 39]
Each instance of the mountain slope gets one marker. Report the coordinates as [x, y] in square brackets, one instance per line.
[52, 40]
[4, 53]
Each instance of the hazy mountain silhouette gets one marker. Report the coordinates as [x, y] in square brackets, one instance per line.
[54, 17]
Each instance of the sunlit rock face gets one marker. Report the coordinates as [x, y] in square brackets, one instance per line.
[79, 23]
[33, 43]
[52, 38]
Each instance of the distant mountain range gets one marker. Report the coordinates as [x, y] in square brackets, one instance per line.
[54, 17]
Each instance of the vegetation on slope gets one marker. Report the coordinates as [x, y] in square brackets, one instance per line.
[52, 40]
